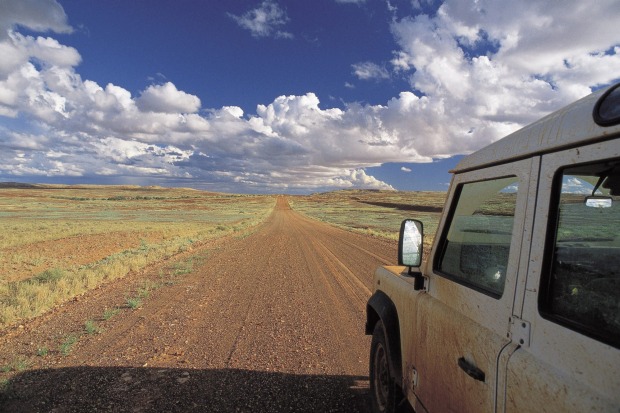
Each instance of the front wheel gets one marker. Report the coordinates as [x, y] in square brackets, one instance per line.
[383, 389]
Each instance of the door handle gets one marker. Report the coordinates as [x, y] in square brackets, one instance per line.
[471, 370]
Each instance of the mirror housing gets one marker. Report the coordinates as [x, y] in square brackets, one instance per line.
[410, 246]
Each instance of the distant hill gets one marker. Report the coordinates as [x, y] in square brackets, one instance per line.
[21, 185]
[62, 186]
[17, 185]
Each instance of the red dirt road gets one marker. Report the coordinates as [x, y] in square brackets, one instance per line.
[273, 322]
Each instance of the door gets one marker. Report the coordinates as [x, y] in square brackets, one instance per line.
[571, 358]
[463, 322]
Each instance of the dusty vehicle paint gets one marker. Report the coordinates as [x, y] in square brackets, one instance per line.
[466, 345]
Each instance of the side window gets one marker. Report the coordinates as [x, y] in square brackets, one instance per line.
[582, 289]
[476, 246]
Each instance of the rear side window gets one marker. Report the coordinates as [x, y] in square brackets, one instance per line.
[476, 246]
[582, 289]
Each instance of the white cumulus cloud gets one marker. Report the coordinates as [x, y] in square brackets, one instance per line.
[38, 15]
[264, 21]
[534, 57]
[167, 98]
[370, 70]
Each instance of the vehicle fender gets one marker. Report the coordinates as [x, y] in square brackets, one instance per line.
[381, 307]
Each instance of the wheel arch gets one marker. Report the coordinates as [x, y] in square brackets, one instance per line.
[381, 307]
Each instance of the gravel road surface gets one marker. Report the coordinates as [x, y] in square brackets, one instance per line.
[272, 322]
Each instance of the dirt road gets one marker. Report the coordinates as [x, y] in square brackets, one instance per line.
[272, 322]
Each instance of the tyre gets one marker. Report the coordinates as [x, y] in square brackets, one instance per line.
[384, 393]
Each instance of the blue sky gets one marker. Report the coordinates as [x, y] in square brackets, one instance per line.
[278, 96]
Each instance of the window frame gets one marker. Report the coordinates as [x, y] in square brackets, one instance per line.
[549, 253]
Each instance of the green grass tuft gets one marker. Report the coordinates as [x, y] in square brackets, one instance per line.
[49, 276]
[110, 312]
[67, 345]
[134, 303]
[91, 327]
[19, 364]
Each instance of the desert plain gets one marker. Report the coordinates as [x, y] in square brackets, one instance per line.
[149, 299]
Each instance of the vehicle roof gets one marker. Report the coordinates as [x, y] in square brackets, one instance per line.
[568, 127]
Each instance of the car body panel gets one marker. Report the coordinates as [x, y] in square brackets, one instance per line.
[450, 331]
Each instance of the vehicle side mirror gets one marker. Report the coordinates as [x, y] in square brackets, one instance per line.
[599, 202]
[410, 243]
[410, 246]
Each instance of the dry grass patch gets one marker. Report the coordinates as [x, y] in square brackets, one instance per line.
[59, 242]
[376, 213]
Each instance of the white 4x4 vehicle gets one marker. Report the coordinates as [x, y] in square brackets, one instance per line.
[517, 306]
